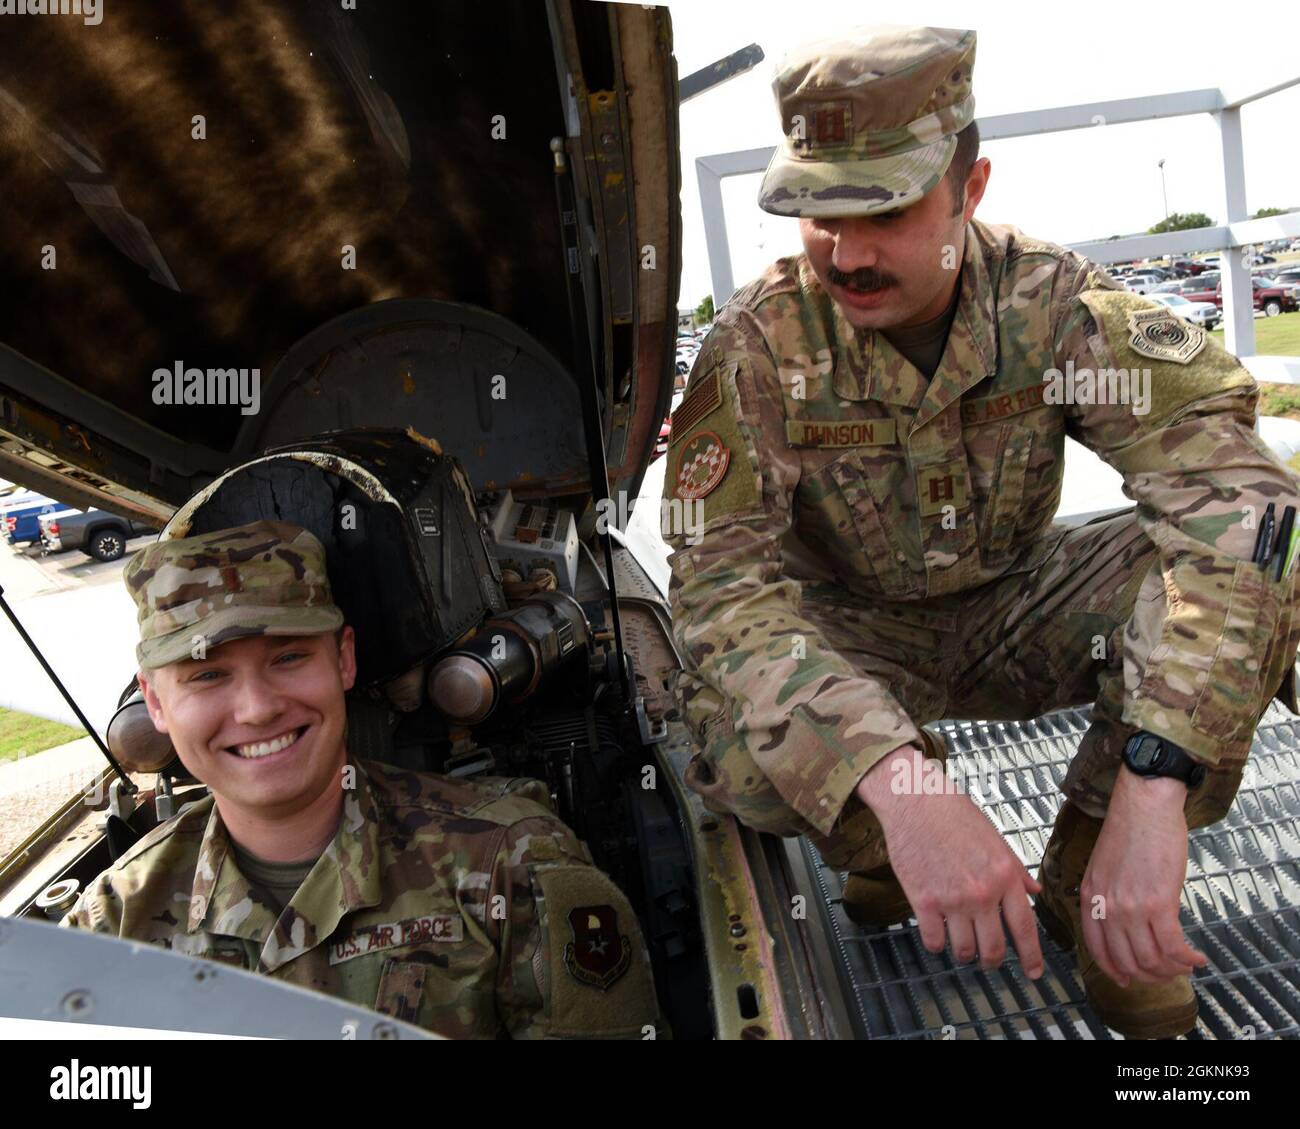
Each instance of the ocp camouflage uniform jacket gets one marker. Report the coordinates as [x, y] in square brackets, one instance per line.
[466, 908]
[842, 466]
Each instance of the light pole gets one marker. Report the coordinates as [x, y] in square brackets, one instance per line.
[1163, 192]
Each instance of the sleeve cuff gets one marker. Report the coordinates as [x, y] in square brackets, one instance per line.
[820, 780]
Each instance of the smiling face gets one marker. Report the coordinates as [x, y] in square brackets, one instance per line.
[897, 268]
[261, 721]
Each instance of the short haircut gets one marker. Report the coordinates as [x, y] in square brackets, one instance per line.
[963, 159]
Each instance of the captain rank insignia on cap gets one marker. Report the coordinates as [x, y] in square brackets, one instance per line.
[1163, 336]
[598, 954]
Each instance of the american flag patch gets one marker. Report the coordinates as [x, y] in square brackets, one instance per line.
[699, 402]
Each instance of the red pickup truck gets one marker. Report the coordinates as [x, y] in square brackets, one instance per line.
[1272, 300]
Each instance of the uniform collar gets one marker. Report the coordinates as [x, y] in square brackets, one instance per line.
[345, 878]
[868, 367]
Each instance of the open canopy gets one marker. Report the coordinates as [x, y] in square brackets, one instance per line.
[358, 206]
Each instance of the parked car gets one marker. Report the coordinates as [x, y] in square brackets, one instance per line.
[661, 444]
[1205, 289]
[1270, 298]
[20, 514]
[666, 428]
[1275, 298]
[1187, 287]
[97, 533]
[1204, 314]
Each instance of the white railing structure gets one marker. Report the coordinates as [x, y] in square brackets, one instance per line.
[1229, 239]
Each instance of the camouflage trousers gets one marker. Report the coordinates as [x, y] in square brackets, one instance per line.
[1012, 649]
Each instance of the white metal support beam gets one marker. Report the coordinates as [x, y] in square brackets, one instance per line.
[1239, 234]
[709, 172]
[1234, 273]
[1235, 233]
[1117, 111]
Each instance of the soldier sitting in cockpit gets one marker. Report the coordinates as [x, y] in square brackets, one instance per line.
[467, 908]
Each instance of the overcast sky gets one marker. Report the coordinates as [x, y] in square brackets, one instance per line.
[1067, 187]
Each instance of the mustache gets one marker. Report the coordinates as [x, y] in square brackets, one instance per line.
[864, 278]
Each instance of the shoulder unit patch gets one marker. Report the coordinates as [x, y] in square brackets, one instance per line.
[711, 459]
[701, 466]
[598, 954]
[1163, 336]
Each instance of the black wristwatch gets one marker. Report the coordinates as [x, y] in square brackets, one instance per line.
[1149, 755]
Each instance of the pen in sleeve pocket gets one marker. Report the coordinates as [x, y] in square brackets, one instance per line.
[1263, 541]
[1283, 547]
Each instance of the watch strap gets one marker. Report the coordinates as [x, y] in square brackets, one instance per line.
[1173, 761]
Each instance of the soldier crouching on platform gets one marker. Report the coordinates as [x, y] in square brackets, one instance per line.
[876, 430]
[465, 907]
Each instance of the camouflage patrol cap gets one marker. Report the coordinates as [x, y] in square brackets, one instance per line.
[870, 120]
[265, 578]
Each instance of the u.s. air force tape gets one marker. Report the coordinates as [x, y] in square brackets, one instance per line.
[394, 934]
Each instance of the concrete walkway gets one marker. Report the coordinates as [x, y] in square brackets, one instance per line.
[78, 760]
[80, 615]
[33, 788]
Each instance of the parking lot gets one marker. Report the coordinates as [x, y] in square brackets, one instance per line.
[81, 617]
[31, 573]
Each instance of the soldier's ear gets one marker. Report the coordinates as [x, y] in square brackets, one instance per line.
[347, 656]
[147, 688]
[977, 180]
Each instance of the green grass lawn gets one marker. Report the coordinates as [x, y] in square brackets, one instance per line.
[1279, 400]
[21, 735]
[1279, 336]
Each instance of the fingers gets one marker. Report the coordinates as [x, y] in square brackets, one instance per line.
[983, 930]
[1174, 945]
[1155, 958]
[1125, 946]
[1147, 951]
[1019, 918]
[1095, 938]
[930, 923]
[961, 933]
[985, 936]
[991, 938]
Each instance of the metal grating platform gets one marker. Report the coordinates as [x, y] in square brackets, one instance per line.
[1241, 904]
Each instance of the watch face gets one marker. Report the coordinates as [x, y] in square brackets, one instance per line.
[1146, 753]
